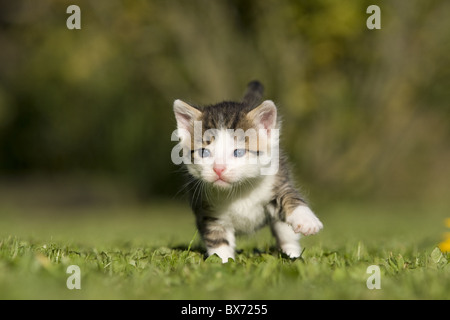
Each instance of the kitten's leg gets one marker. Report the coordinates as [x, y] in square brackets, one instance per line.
[296, 213]
[287, 239]
[218, 238]
[304, 221]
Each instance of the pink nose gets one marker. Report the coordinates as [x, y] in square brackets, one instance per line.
[218, 169]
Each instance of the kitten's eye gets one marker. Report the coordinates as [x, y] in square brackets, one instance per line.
[204, 153]
[239, 153]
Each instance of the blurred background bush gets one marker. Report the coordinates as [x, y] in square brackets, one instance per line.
[366, 112]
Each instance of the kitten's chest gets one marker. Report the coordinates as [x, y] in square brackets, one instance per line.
[246, 216]
[247, 213]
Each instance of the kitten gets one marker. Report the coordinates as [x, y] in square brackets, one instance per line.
[232, 192]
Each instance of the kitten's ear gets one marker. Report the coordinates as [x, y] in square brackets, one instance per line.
[264, 116]
[185, 114]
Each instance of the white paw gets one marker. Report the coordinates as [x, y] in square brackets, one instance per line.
[224, 253]
[304, 221]
[291, 250]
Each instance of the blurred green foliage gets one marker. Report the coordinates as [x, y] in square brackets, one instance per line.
[366, 112]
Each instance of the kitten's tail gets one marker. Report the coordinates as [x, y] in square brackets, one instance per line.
[253, 95]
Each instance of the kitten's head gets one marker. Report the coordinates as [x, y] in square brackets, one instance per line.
[227, 143]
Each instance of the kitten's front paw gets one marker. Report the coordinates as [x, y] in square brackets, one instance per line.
[224, 253]
[304, 221]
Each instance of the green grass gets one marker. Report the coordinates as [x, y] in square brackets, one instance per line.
[153, 252]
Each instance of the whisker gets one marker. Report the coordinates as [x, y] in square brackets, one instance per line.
[184, 187]
[196, 193]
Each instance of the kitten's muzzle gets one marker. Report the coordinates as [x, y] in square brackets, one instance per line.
[219, 169]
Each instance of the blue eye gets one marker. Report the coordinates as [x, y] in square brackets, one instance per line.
[204, 153]
[238, 153]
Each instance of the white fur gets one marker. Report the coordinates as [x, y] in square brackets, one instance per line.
[287, 239]
[224, 252]
[241, 213]
[304, 221]
[246, 213]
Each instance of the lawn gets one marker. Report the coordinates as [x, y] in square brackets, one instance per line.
[152, 251]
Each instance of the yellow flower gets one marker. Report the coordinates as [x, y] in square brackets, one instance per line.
[445, 245]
